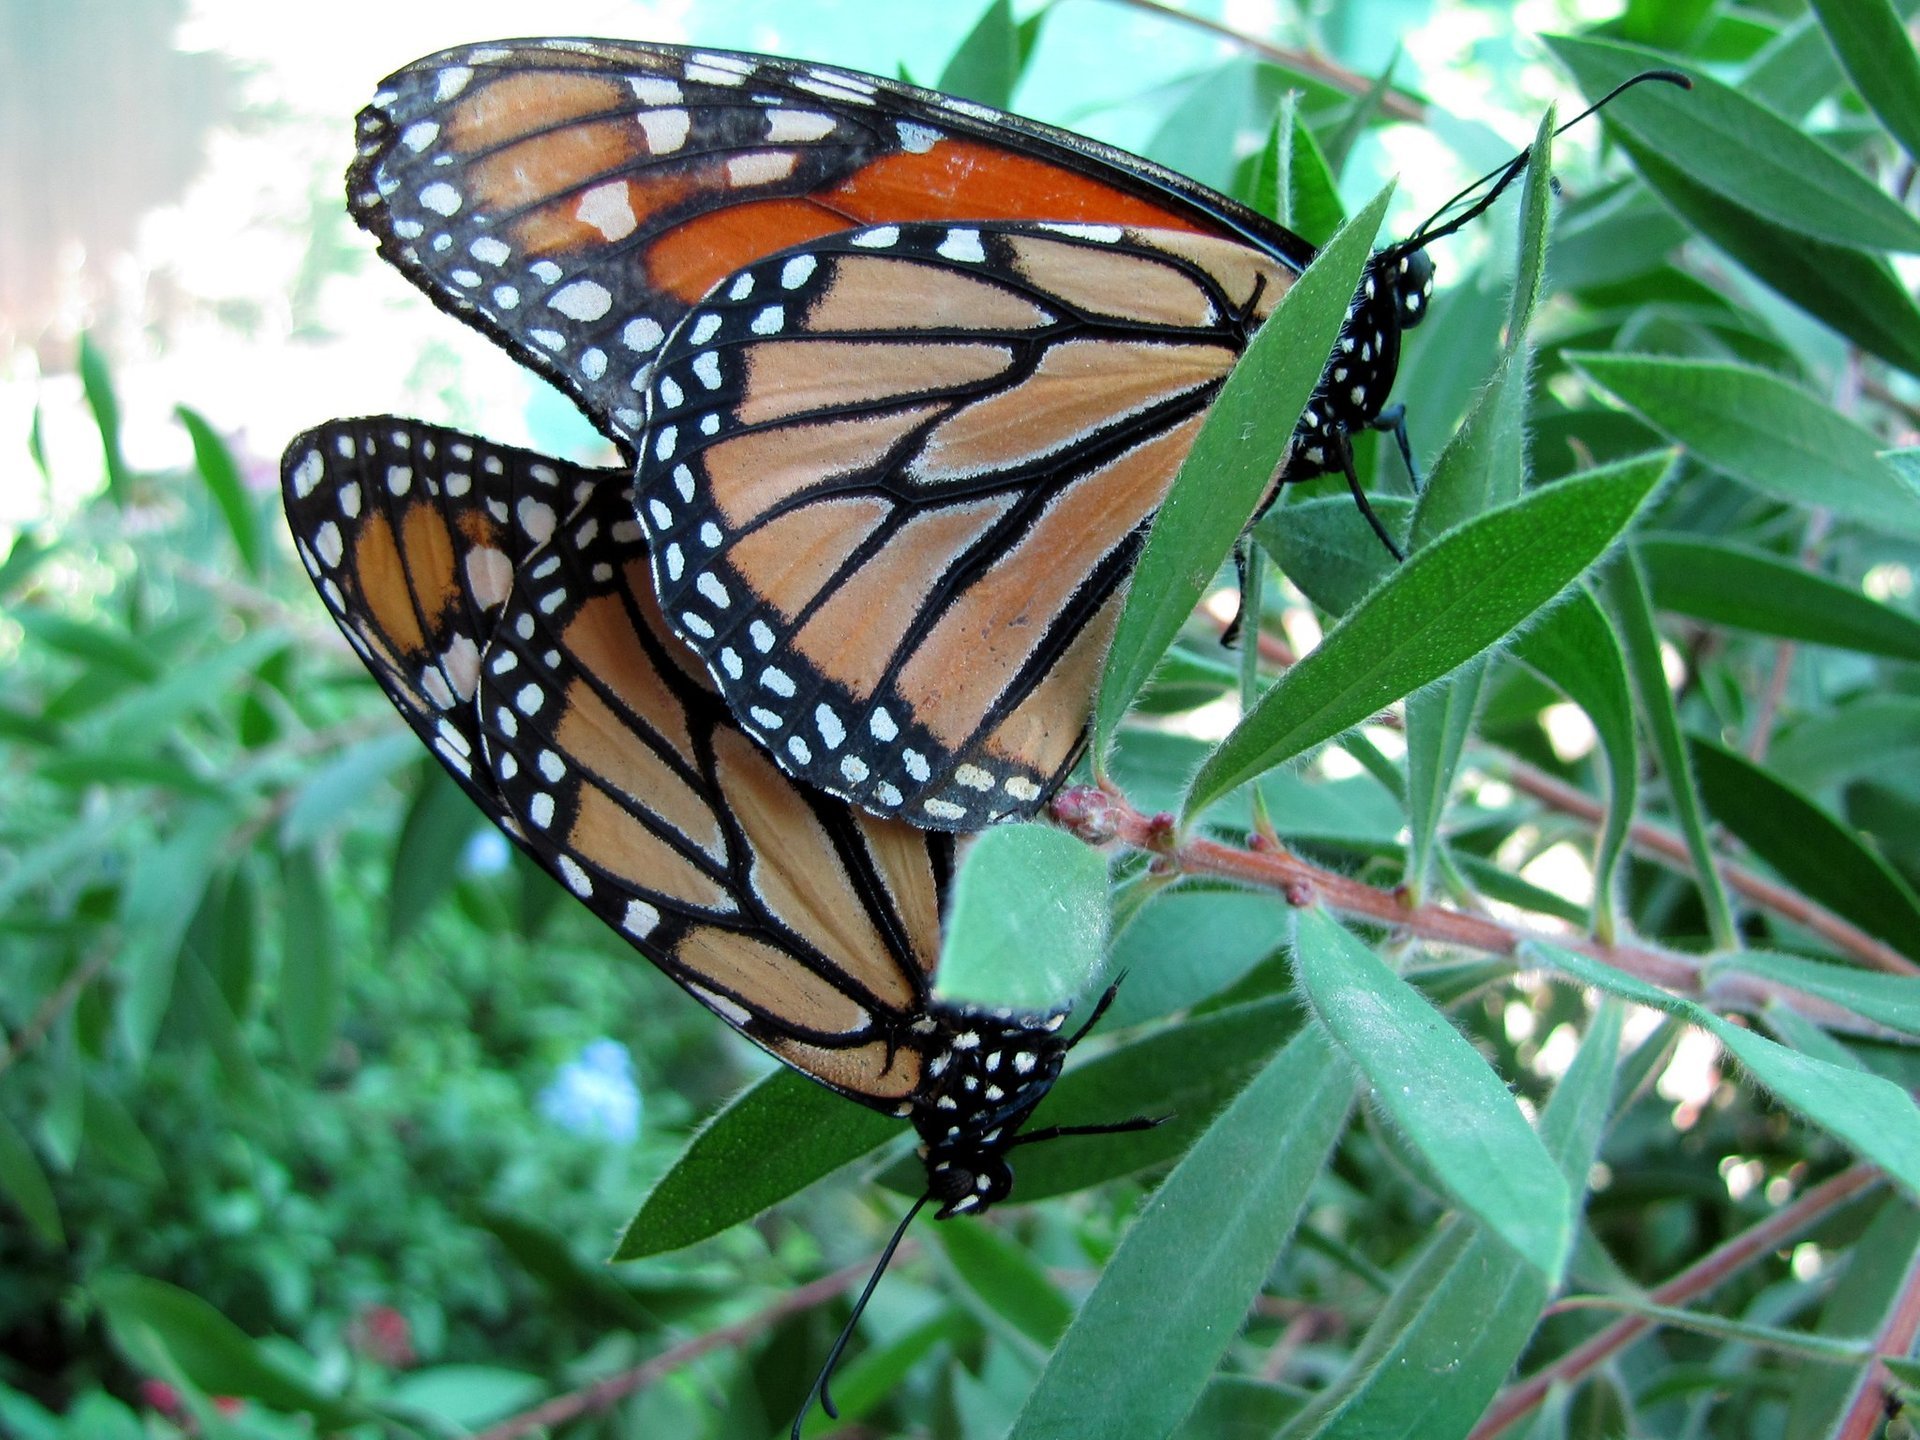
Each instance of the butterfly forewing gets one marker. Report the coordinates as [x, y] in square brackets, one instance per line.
[895, 481]
[574, 198]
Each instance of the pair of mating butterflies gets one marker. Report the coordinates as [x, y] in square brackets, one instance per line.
[902, 378]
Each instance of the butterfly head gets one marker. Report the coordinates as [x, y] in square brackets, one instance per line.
[1408, 275]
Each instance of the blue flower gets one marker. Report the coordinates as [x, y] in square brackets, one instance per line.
[595, 1094]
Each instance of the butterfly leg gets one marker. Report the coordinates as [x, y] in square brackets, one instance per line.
[1230, 636]
[1393, 421]
[1343, 452]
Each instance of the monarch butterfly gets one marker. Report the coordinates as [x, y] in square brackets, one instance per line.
[896, 467]
[501, 599]
[904, 376]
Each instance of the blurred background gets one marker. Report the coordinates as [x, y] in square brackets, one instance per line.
[301, 1068]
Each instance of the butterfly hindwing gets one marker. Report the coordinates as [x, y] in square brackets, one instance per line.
[574, 198]
[895, 481]
[412, 535]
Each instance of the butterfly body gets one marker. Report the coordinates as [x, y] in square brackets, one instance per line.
[503, 602]
[894, 510]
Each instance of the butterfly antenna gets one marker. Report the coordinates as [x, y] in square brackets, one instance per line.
[1504, 175]
[825, 1378]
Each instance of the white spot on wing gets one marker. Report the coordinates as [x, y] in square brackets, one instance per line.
[666, 130]
[607, 209]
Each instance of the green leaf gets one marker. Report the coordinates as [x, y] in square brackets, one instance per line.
[114, 1140]
[100, 645]
[1450, 602]
[1763, 431]
[309, 997]
[589, 1292]
[1240, 444]
[1013, 1289]
[1746, 589]
[215, 462]
[439, 823]
[466, 1396]
[25, 1184]
[1739, 149]
[1194, 1259]
[97, 384]
[987, 65]
[1484, 463]
[1467, 1306]
[1857, 1304]
[1873, 1117]
[1812, 850]
[1863, 737]
[1632, 608]
[208, 680]
[1576, 650]
[1027, 922]
[155, 1323]
[1437, 1091]
[1439, 722]
[1186, 1073]
[1192, 942]
[162, 894]
[772, 1140]
[1327, 549]
[339, 788]
[1858, 294]
[1890, 999]
[1877, 54]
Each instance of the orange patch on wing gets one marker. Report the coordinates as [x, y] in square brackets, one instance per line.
[796, 377]
[882, 292]
[601, 639]
[383, 581]
[971, 180]
[610, 836]
[1079, 387]
[695, 255]
[749, 474]
[1103, 281]
[1236, 268]
[640, 587]
[769, 980]
[854, 636]
[595, 739]
[798, 875]
[899, 853]
[977, 647]
[521, 103]
[866, 1070]
[1044, 730]
[786, 561]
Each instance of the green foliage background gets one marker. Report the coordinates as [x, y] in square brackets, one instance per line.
[277, 1018]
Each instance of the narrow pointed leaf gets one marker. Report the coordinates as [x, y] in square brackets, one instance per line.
[1576, 649]
[25, 1187]
[772, 1140]
[1877, 54]
[1732, 585]
[215, 462]
[1468, 1305]
[1194, 1259]
[1450, 602]
[1854, 291]
[1812, 850]
[1625, 587]
[1011, 1285]
[1740, 149]
[309, 999]
[1764, 432]
[986, 67]
[1241, 443]
[1891, 999]
[1437, 1092]
[1873, 1117]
